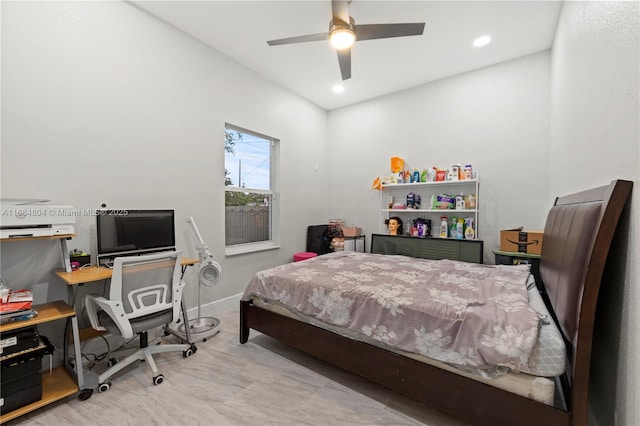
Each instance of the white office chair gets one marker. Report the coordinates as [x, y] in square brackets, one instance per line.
[145, 293]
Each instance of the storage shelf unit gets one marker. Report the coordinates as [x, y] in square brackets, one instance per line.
[399, 192]
[58, 383]
[55, 386]
[51, 237]
[64, 251]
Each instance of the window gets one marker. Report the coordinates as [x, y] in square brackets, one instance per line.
[249, 179]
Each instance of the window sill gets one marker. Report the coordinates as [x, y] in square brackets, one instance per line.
[250, 248]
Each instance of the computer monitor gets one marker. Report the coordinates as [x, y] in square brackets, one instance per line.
[133, 232]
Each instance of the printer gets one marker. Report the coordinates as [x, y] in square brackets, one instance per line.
[21, 218]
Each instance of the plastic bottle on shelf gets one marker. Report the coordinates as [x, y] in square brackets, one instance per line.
[410, 200]
[469, 230]
[459, 229]
[424, 176]
[444, 227]
[468, 172]
[453, 226]
[416, 176]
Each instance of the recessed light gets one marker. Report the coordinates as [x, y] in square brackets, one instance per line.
[338, 88]
[481, 41]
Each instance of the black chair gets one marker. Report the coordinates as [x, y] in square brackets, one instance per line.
[318, 240]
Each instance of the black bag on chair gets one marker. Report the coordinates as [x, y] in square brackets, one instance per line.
[318, 240]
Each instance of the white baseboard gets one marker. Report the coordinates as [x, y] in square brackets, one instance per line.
[216, 307]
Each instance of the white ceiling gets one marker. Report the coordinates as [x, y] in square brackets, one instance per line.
[240, 29]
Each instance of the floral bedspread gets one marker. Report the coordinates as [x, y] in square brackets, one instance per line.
[465, 314]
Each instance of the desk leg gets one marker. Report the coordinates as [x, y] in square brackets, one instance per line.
[186, 338]
[185, 318]
[72, 294]
[64, 251]
[76, 348]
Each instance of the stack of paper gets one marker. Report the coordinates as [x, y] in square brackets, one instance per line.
[16, 305]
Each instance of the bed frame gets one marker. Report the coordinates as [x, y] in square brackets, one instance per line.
[577, 238]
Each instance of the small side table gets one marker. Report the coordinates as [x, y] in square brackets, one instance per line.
[355, 239]
[514, 258]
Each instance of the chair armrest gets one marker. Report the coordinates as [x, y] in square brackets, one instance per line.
[94, 303]
[91, 304]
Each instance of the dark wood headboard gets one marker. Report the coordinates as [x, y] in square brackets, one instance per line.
[577, 238]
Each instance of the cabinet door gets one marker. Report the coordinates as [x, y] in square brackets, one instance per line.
[393, 244]
[471, 251]
[440, 249]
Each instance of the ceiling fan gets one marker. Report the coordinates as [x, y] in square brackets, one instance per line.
[343, 32]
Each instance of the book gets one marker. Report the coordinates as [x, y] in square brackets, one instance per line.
[16, 300]
[20, 315]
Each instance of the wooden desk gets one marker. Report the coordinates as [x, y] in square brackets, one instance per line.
[99, 273]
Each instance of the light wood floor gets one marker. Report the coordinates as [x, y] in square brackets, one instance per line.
[262, 382]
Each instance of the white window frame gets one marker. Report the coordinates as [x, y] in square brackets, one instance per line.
[274, 208]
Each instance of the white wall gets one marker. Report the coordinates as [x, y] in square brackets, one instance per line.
[595, 137]
[496, 118]
[103, 103]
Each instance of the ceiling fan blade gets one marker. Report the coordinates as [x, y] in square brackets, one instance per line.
[340, 10]
[299, 39]
[374, 31]
[344, 59]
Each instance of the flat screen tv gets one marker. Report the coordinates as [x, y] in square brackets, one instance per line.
[133, 232]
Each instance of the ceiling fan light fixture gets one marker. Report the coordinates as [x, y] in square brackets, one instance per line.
[342, 38]
[343, 33]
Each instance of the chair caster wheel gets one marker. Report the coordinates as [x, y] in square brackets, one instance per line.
[103, 387]
[85, 394]
[158, 379]
[192, 350]
[112, 362]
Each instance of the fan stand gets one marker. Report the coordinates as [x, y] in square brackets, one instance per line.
[201, 328]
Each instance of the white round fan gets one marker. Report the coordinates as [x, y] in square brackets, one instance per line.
[209, 275]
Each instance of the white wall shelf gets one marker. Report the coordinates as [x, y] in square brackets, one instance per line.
[443, 211]
[439, 184]
[426, 190]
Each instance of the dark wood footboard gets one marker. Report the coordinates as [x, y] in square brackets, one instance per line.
[459, 396]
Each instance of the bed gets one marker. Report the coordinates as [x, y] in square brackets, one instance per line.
[577, 237]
